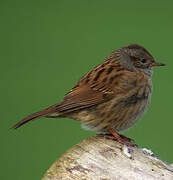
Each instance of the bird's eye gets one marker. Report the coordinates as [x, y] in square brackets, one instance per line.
[143, 60]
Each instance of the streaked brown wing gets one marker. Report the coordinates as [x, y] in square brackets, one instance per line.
[118, 84]
[82, 97]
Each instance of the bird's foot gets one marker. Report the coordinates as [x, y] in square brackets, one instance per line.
[120, 138]
[126, 138]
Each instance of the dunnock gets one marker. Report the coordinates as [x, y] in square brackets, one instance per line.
[111, 97]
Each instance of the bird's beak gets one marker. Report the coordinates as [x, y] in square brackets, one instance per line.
[157, 64]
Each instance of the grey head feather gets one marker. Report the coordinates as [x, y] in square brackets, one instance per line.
[125, 54]
[125, 60]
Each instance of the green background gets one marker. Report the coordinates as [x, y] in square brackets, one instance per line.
[46, 46]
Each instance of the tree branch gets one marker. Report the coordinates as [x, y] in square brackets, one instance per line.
[98, 158]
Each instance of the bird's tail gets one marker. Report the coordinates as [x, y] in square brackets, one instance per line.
[42, 113]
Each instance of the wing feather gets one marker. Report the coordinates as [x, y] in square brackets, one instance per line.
[82, 97]
[96, 92]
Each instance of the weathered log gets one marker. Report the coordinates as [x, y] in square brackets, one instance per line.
[99, 158]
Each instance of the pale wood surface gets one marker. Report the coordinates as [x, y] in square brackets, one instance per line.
[98, 158]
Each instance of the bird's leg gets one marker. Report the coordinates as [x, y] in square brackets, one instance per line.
[120, 138]
[110, 136]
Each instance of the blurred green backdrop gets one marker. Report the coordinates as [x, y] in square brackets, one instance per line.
[46, 46]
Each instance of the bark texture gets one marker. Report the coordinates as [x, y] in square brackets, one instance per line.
[98, 158]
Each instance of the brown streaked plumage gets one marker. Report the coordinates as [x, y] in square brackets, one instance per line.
[112, 96]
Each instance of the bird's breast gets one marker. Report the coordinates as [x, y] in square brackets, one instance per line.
[131, 109]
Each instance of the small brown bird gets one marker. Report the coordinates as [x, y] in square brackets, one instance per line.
[111, 97]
